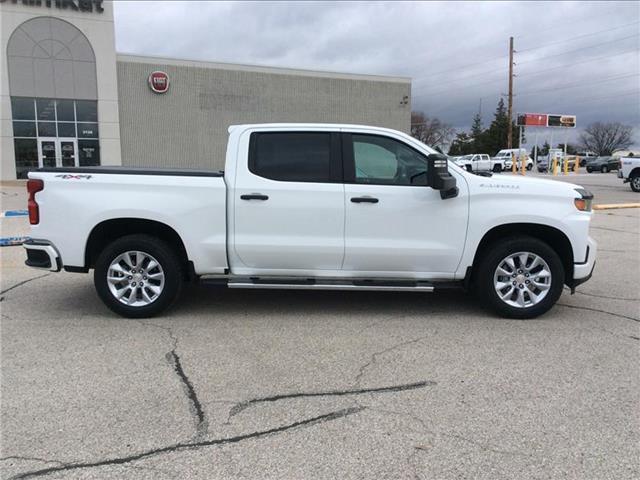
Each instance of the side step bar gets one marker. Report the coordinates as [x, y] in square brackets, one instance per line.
[355, 285]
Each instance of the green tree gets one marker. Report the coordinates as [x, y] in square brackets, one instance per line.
[461, 145]
[477, 134]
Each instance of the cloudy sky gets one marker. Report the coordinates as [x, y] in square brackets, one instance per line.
[579, 58]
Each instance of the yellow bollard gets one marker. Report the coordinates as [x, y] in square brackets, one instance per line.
[555, 166]
[513, 163]
[565, 166]
[576, 166]
[523, 164]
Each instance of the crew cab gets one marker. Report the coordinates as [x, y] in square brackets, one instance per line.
[313, 206]
[629, 171]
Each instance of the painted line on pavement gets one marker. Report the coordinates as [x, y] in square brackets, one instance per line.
[12, 241]
[14, 213]
[612, 206]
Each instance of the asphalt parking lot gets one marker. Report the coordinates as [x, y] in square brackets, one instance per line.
[284, 384]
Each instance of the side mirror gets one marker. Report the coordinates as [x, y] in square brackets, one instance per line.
[438, 176]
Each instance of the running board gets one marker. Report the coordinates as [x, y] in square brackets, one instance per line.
[318, 285]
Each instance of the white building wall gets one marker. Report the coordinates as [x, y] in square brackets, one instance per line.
[99, 30]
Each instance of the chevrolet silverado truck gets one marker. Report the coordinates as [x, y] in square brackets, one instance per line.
[629, 171]
[313, 206]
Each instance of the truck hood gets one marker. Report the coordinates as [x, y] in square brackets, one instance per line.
[525, 185]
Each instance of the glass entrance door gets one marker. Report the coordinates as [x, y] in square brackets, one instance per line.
[68, 153]
[57, 152]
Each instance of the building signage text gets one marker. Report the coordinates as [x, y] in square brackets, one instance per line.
[76, 5]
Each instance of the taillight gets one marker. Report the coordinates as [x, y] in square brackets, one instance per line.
[34, 186]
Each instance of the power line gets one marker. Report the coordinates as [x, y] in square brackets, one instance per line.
[578, 85]
[532, 74]
[579, 36]
[460, 67]
[579, 49]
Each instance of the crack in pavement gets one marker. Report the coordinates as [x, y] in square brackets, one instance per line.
[627, 299]
[202, 425]
[599, 311]
[195, 407]
[239, 407]
[191, 445]
[614, 230]
[375, 355]
[19, 284]
[30, 459]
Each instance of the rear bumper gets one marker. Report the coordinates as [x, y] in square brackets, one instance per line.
[582, 271]
[43, 255]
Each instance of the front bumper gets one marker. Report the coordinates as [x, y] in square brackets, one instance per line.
[43, 255]
[582, 271]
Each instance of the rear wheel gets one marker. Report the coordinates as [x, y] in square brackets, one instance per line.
[138, 276]
[589, 170]
[520, 277]
[604, 169]
[635, 182]
[530, 167]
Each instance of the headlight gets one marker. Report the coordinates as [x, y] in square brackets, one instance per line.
[585, 201]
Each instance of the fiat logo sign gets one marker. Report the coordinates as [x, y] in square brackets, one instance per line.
[159, 82]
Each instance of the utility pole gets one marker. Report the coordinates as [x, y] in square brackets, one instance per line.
[510, 102]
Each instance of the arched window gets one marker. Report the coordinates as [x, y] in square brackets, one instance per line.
[54, 92]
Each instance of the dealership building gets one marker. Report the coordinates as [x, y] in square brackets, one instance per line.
[68, 99]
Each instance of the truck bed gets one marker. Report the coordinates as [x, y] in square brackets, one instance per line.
[76, 201]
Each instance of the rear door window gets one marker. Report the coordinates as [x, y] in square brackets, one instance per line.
[293, 156]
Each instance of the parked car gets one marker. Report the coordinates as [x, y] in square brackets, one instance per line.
[629, 171]
[585, 157]
[464, 161]
[505, 157]
[602, 164]
[479, 162]
[312, 207]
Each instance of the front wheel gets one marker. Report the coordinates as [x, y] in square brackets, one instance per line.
[520, 277]
[635, 183]
[604, 169]
[497, 168]
[138, 276]
[530, 167]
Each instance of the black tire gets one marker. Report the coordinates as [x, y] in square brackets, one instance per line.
[497, 168]
[589, 170]
[634, 181]
[491, 259]
[604, 169]
[530, 167]
[162, 253]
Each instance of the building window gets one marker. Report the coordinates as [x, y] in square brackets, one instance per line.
[89, 153]
[54, 132]
[26, 155]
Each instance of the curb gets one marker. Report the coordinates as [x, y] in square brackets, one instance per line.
[613, 206]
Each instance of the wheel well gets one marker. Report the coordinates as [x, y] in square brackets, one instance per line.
[106, 232]
[635, 172]
[553, 237]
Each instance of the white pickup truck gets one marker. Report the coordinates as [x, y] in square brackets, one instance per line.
[313, 206]
[480, 162]
[629, 171]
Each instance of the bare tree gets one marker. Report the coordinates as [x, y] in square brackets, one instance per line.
[431, 131]
[606, 138]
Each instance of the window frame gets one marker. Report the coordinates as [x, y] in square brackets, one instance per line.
[335, 160]
[349, 163]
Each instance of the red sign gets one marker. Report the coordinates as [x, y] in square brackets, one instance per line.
[532, 119]
[159, 82]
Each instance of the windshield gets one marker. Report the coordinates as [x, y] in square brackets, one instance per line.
[466, 157]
